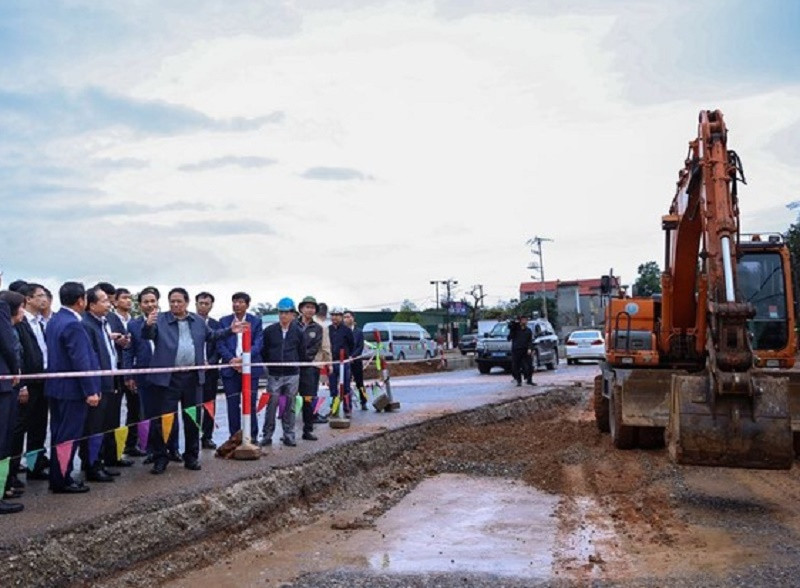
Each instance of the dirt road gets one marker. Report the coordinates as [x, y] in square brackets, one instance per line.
[596, 516]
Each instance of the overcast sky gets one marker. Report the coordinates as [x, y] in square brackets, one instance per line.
[356, 150]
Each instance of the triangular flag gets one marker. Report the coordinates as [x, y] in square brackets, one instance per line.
[378, 361]
[298, 404]
[143, 429]
[318, 404]
[166, 425]
[263, 400]
[4, 471]
[210, 407]
[63, 453]
[120, 436]
[95, 441]
[31, 457]
[281, 405]
[192, 412]
[335, 406]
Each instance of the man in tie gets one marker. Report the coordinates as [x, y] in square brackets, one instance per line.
[100, 418]
[230, 351]
[68, 350]
[204, 302]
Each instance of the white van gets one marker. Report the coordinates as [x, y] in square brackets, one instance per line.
[399, 340]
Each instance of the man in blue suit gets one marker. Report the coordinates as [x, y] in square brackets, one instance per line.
[68, 350]
[204, 302]
[230, 352]
[180, 339]
[9, 365]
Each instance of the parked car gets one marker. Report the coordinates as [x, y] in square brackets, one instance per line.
[494, 348]
[400, 340]
[467, 343]
[585, 344]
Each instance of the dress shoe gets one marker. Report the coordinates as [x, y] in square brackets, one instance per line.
[159, 467]
[530, 383]
[13, 493]
[134, 452]
[43, 474]
[208, 444]
[122, 463]
[364, 406]
[98, 476]
[174, 456]
[192, 464]
[265, 442]
[10, 507]
[289, 442]
[110, 472]
[519, 384]
[16, 483]
[148, 460]
[320, 420]
[70, 489]
[310, 437]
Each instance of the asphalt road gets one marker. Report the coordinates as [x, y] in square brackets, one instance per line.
[421, 397]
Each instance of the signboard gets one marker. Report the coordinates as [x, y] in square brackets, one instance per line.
[459, 308]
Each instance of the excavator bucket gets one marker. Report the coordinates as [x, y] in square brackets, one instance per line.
[730, 430]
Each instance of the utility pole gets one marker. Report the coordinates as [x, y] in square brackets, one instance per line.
[448, 283]
[436, 283]
[536, 248]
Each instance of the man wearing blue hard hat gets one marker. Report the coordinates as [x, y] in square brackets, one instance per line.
[283, 343]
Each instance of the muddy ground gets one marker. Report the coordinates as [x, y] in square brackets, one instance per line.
[622, 517]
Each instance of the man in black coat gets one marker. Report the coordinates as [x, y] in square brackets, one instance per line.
[9, 365]
[342, 340]
[521, 338]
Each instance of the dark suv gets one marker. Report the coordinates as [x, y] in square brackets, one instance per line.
[467, 342]
[494, 349]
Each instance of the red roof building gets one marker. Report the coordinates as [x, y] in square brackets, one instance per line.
[590, 287]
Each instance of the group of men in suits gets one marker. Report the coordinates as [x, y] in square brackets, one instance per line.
[94, 330]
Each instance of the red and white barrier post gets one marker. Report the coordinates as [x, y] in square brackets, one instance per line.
[247, 449]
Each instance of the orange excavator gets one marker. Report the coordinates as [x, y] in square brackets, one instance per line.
[703, 366]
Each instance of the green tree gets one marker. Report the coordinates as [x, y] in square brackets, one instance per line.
[648, 282]
[409, 313]
[792, 237]
[261, 308]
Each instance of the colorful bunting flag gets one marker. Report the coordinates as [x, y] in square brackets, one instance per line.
[263, 400]
[318, 404]
[4, 472]
[210, 407]
[63, 455]
[95, 441]
[143, 428]
[281, 405]
[31, 457]
[192, 412]
[166, 425]
[120, 436]
[335, 407]
[378, 360]
[298, 404]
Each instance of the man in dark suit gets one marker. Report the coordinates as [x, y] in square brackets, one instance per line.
[68, 350]
[9, 365]
[341, 340]
[138, 355]
[32, 415]
[204, 302]
[230, 351]
[357, 366]
[180, 341]
[101, 419]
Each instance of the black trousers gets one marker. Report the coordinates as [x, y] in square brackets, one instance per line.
[521, 365]
[183, 389]
[97, 418]
[31, 421]
[67, 423]
[8, 416]
[357, 369]
[210, 393]
[309, 384]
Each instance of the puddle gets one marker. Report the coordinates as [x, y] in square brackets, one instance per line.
[461, 523]
[448, 523]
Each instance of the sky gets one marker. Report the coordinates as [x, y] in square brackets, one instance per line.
[357, 150]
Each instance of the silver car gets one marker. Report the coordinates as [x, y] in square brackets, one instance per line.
[585, 344]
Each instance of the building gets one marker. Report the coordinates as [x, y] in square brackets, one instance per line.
[580, 303]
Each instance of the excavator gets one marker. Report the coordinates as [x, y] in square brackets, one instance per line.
[704, 366]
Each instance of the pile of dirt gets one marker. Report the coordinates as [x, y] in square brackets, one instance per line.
[405, 368]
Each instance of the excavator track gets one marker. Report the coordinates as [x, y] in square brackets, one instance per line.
[730, 430]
